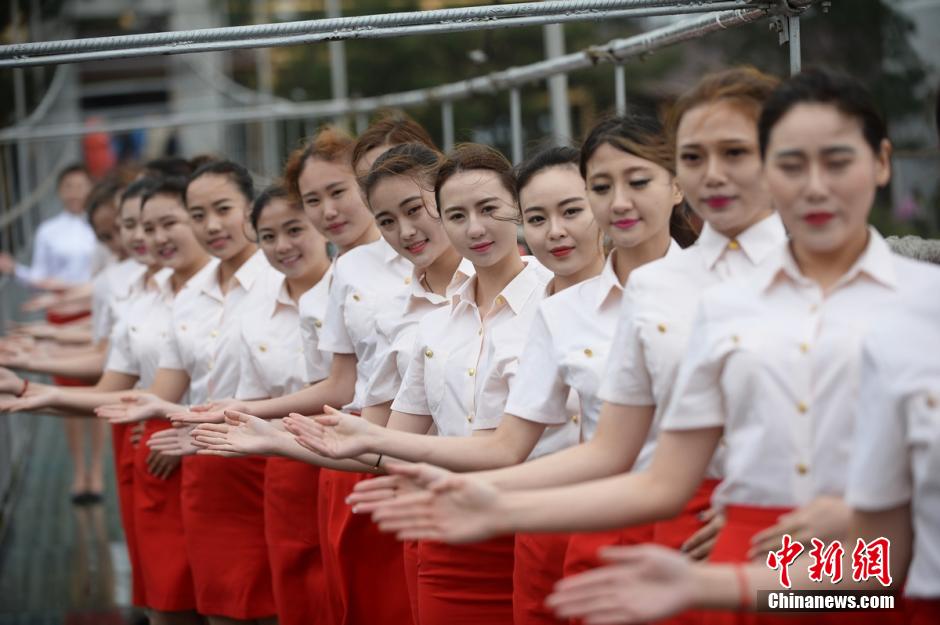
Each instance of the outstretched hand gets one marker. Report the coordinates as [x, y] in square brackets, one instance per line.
[333, 435]
[241, 434]
[640, 584]
[136, 407]
[454, 508]
[369, 495]
[212, 412]
[175, 441]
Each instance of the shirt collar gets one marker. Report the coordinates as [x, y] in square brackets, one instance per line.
[756, 242]
[609, 283]
[283, 298]
[163, 284]
[251, 269]
[515, 294]
[464, 271]
[245, 276]
[69, 216]
[876, 262]
[388, 252]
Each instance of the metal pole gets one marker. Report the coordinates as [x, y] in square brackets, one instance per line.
[796, 60]
[515, 124]
[6, 199]
[264, 71]
[447, 123]
[35, 22]
[362, 122]
[19, 110]
[337, 50]
[620, 89]
[554, 35]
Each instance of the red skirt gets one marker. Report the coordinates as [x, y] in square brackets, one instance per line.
[411, 575]
[124, 476]
[158, 525]
[539, 564]
[290, 528]
[364, 568]
[466, 584]
[734, 541]
[674, 532]
[223, 524]
[921, 611]
[583, 547]
[57, 319]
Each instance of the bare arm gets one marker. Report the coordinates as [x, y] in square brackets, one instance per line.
[406, 438]
[88, 366]
[680, 461]
[78, 401]
[335, 390]
[621, 432]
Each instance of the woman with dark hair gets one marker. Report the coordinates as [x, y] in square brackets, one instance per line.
[772, 366]
[273, 364]
[230, 568]
[399, 192]
[630, 198]
[369, 277]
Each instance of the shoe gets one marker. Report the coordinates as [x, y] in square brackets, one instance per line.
[86, 498]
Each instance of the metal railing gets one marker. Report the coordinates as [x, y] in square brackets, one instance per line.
[369, 26]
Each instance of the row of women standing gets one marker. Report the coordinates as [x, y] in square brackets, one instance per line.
[621, 386]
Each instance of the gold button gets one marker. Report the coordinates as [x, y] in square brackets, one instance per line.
[209, 366]
[470, 417]
[814, 308]
[500, 300]
[407, 279]
[183, 327]
[804, 347]
[802, 469]
[588, 352]
[802, 407]
[735, 339]
[471, 372]
[931, 401]
[575, 418]
[480, 332]
[733, 245]
[318, 323]
[262, 348]
[356, 296]
[214, 333]
[429, 353]
[662, 328]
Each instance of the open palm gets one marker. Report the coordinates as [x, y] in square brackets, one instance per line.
[241, 434]
[335, 434]
[456, 509]
[640, 584]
